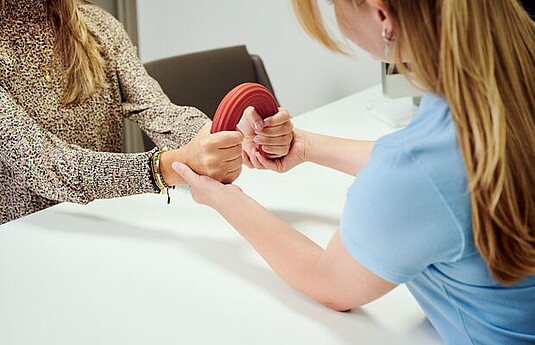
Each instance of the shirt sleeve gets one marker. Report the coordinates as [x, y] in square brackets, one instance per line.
[56, 170]
[395, 221]
[143, 100]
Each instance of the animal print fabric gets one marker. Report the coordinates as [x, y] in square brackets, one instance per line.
[51, 153]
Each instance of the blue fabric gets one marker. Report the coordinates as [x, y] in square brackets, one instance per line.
[407, 218]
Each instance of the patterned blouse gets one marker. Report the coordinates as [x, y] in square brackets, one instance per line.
[51, 153]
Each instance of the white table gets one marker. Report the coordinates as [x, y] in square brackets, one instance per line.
[137, 271]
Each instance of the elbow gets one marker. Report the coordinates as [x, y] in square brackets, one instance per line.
[339, 305]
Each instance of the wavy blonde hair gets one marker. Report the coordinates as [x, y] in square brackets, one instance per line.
[479, 55]
[77, 49]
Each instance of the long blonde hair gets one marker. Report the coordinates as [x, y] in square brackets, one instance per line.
[480, 56]
[77, 49]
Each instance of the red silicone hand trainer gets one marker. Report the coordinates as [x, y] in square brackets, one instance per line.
[231, 108]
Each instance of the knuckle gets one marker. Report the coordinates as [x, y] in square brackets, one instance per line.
[207, 144]
[210, 164]
[288, 139]
[288, 127]
[237, 137]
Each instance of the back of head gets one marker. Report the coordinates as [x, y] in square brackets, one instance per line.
[480, 56]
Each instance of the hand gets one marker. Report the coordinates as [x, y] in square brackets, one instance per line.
[273, 135]
[204, 189]
[296, 156]
[215, 155]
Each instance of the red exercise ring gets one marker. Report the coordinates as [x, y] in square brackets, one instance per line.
[231, 108]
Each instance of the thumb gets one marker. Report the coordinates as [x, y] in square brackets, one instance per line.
[254, 119]
[185, 171]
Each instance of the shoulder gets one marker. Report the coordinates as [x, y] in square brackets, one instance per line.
[432, 123]
[428, 146]
[409, 207]
[97, 15]
[105, 27]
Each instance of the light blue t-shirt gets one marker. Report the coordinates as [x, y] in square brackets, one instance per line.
[407, 218]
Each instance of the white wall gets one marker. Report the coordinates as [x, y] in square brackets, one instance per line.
[304, 74]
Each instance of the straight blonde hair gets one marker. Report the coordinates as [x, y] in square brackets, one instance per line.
[480, 56]
[77, 49]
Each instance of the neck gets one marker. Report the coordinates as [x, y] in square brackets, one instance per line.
[24, 10]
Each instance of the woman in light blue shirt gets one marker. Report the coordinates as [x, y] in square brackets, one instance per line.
[445, 205]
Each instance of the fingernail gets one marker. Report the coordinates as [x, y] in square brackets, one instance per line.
[256, 139]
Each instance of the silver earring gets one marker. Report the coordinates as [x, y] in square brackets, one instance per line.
[388, 42]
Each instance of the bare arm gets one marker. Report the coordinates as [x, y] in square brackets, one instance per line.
[330, 276]
[345, 155]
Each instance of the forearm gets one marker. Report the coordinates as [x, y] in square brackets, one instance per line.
[330, 276]
[166, 160]
[293, 256]
[170, 125]
[62, 172]
[345, 155]
[59, 171]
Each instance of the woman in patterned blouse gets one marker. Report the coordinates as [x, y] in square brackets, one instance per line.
[69, 76]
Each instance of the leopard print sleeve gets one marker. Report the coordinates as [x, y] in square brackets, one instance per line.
[51, 152]
[143, 100]
[50, 168]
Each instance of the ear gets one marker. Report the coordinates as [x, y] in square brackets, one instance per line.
[383, 15]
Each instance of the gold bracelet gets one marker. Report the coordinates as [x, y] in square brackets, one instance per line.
[156, 173]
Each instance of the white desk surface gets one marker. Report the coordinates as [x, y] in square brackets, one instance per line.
[138, 271]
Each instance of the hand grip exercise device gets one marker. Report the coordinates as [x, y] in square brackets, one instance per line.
[231, 108]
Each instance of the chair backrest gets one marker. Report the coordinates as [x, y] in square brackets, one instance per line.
[202, 79]
[529, 5]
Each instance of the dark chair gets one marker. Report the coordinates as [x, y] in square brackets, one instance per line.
[202, 79]
[529, 5]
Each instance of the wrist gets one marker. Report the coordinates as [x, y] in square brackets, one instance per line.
[307, 149]
[157, 177]
[167, 158]
[228, 199]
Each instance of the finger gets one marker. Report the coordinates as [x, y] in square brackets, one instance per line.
[218, 171]
[279, 118]
[224, 169]
[224, 139]
[266, 163]
[278, 151]
[227, 154]
[254, 161]
[274, 141]
[251, 121]
[185, 171]
[214, 158]
[249, 158]
[231, 176]
[246, 160]
[271, 156]
[230, 164]
[274, 131]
